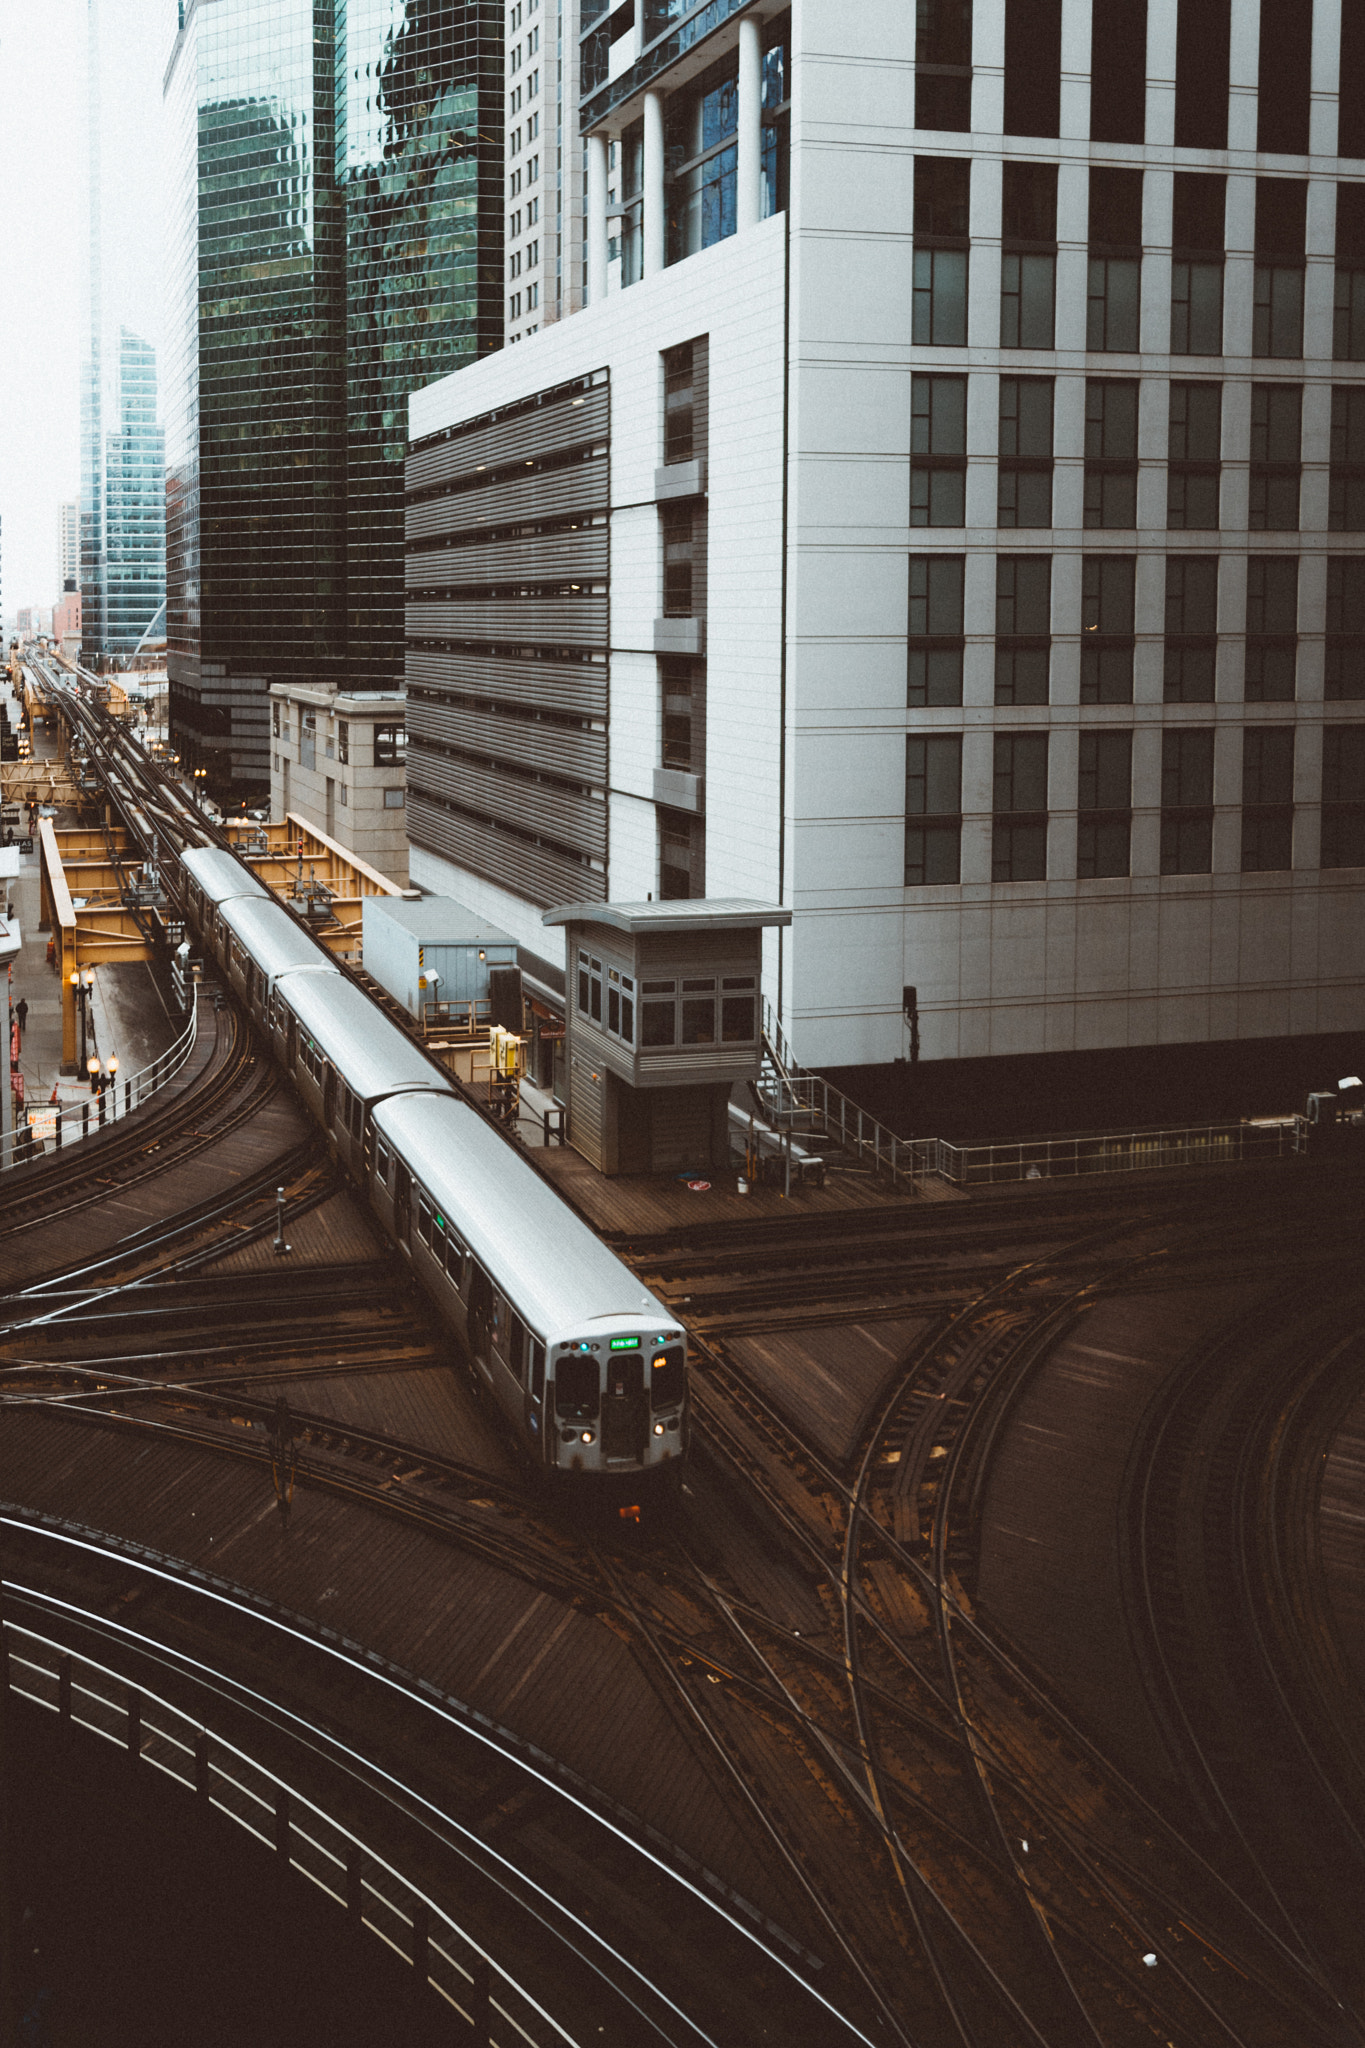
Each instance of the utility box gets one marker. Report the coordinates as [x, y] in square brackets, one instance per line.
[663, 1016]
[406, 944]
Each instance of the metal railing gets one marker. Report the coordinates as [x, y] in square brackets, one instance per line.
[806, 1105]
[1136, 1151]
[157, 1735]
[57, 1125]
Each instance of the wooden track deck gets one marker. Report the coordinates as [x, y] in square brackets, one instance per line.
[827, 1381]
[557, 1677]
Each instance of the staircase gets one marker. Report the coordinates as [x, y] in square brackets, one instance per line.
[812, 1109]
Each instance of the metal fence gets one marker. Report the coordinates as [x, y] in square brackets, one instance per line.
[1136, 1151]
[157, 1735]
[54, 1126]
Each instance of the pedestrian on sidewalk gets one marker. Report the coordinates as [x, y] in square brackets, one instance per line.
[21, 1012]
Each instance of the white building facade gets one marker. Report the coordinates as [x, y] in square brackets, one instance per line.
[544, 167]
[971, 409]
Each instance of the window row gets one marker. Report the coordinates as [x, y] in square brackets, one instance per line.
[1194, 446]
[1104, 803]
[1028, 261]
[1277, 54]
[1024, 629]
[701, 1010]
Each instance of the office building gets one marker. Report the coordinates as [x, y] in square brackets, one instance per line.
[337, 239]
[544, 186]
[336, 762]
[68, 545]
[944, 520]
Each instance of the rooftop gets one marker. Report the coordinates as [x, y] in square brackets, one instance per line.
[699, 914]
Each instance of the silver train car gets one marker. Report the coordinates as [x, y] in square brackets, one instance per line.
[588, 1367]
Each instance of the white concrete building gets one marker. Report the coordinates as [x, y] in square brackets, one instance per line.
[954, 531]
[544, 167]
[336, 762]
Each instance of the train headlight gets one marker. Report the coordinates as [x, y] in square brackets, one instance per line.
[658, 1429]
[588, 1436]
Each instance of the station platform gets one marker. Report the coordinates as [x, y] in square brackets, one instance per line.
[640, 1204]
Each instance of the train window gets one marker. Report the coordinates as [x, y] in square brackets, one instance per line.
[666, 1376]
[455, 1258]
[381, 1162]
[576, 1386]
[424, 1219]
[516, 1343]
[537, 1370]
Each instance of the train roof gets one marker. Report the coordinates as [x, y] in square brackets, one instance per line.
[273, 939]
[370, 1052]
[560, 1274]
[221, 876]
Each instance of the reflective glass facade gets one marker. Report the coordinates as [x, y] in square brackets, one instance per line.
[327, 226]
[419, 161]
[134, 502]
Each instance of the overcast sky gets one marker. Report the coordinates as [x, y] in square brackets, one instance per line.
[43, 242]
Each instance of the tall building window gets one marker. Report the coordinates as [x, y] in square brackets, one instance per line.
[1281, 221]
[938, 451]
[1276, 457]
[1187, 801]
[1346, 494]
[939, 312]
[1028, 258]
[943, 64]
[1118, 70]
[1283, 100]
[1345, 666]
[683, 529]
[1197, 264]
[1348, 317]
[682, 856]
[1024, 485]
[1107, 614]
[1203, 69]
[933, 809]
[1343, 796]
[1351, 84]
[776, 149]
[1191, 651]
[632, 197]
[1111, 469]
[1267, 798]
[935, 637]
[1195, 448]
[678, 399]
[1019, 805]
[682, 687]
[701, 152]
[1104, 798]
[1033, 67]
[1023, 628]
[1111, 320]
[1272, 628]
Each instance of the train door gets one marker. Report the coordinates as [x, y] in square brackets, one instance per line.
[534, 1408]
[481, 1310]
[402, 1205]
[625, 1406]
[329, 1098]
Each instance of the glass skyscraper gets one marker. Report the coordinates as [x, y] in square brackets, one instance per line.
[337, 241]
[122, 517]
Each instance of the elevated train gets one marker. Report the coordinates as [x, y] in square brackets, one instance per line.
[588, 1367]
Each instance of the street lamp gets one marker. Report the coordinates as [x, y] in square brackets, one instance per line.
[81, 985]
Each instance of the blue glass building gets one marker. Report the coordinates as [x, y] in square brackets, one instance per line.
[337, 241]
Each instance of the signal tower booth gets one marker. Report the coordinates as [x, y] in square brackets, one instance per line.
[663, 1016]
